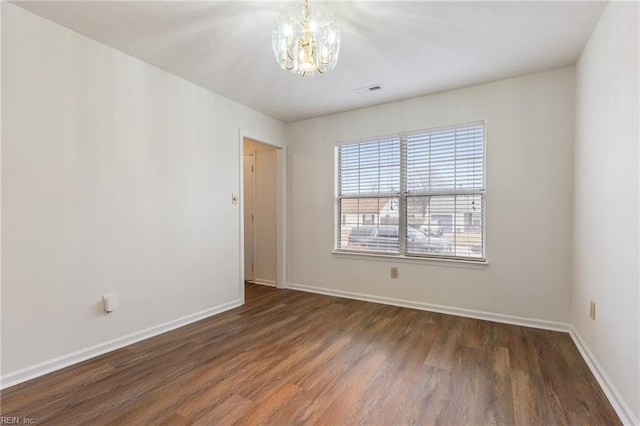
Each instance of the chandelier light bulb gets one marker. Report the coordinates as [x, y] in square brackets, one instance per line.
[306, 39]
[308, 66]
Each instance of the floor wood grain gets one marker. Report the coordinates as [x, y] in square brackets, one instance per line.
[289, 357]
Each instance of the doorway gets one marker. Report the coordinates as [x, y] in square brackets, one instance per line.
[262, 221]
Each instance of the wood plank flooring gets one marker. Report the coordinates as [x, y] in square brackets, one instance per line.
[289, 357]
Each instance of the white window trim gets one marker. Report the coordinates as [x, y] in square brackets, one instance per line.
[400, 258]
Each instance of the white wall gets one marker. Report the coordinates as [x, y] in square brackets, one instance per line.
[116, 176]
[529, 174]
[606, 213]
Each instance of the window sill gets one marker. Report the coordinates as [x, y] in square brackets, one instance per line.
[396, 258]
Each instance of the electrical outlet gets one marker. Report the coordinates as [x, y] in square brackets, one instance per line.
[394, 272]
[592, 310]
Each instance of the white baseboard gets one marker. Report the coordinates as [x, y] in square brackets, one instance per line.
[469, 313]
[46, 367]
[617, 401]
[261, 281]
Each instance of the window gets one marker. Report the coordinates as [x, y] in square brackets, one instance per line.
[426, 189]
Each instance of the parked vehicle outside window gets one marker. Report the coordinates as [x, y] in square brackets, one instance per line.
[385, 239]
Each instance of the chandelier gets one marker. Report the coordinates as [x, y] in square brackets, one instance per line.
[306, 39]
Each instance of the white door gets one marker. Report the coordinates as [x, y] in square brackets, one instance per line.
[249, 197]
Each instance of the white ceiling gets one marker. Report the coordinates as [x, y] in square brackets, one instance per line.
[410, 48]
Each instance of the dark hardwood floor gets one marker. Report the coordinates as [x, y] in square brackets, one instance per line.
[289, 357]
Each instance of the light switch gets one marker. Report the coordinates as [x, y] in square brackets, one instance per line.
[234, 198]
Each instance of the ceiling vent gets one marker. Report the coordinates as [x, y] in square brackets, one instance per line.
[367, 89]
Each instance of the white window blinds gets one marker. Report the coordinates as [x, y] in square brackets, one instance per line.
[445, 191]
[368, 188]
[417, 194]
[450, 160]
[369, 168]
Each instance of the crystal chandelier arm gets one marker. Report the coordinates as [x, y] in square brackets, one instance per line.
[328, 60]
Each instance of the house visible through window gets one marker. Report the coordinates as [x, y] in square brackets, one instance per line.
[414, 194]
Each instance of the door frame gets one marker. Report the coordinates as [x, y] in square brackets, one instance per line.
[281, 209]
[253, 222]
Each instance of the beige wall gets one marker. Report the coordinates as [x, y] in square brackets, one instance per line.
[116, 177]
[606, 213]
[528, 201]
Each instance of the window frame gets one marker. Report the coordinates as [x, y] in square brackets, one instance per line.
[403, 195]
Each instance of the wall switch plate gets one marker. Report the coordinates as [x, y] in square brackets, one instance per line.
[592, 310]
[394, 272]
[234, 198]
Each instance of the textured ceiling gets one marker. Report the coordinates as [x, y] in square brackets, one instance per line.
[409, 48]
